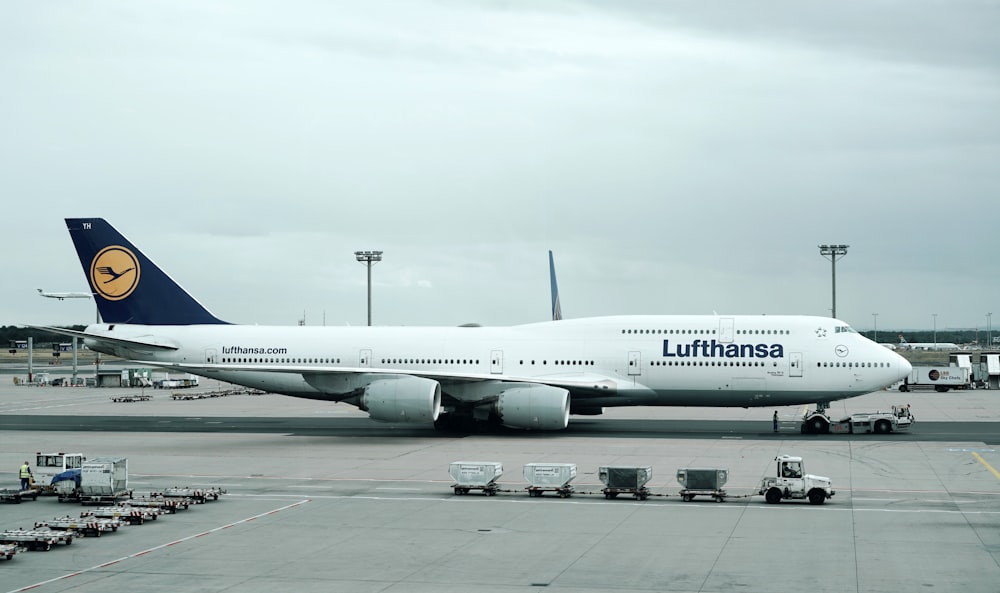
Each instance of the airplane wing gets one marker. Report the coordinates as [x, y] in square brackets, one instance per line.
[574, 382]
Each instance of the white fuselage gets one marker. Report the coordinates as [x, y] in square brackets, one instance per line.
[670, 360]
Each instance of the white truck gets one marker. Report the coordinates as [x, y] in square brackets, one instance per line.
[793, 483]
[50, 465]
[819, 422]
[941, 378]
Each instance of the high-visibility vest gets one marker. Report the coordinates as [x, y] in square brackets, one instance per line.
[25, 471]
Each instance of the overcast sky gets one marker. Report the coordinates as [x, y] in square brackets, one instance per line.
[678, 157]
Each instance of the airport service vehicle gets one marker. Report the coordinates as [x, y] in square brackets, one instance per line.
[941, 378]
[530, 376]
[49, 465]
[791, 482]
[819, 422]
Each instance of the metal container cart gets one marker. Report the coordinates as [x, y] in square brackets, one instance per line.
[90, 526]
[8, 550]
[195, 495]
[625, 480]
[475, 475]
[36, 539]
[554, 477]
[16, 496]
[703, 482]
[166, 506]
[124, 513]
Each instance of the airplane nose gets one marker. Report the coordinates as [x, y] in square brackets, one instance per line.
[905, 368]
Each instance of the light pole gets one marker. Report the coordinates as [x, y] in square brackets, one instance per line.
[369, 258]
[833, 253]
[989, 330]
[875, 319]
[934, 315]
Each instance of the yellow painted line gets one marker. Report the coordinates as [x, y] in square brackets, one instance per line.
[980, 459]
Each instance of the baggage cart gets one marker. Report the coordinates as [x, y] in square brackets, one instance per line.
[36, 539]
[132, 397]
[475, 475]
[195, 495]
[702, 482]
[8, 550]
[552, 477]
[166, 506]
[90, 526]
[124, 513]
[12, 496]
[625, 480]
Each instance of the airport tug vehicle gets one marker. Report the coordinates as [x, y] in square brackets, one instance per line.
[793, 483]
[819, 422]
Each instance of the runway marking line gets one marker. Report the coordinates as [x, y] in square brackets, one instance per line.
[980, 459]
[160, 547]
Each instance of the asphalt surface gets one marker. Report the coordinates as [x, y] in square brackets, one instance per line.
[319, 498]
[605, 428]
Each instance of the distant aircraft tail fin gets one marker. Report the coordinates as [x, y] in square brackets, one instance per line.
[556, 306]
[127, 286]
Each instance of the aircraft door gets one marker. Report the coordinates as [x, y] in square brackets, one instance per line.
[795, 364]
[211, 356]
[726, 330]
[635, 362]
[496, 362]
[365, 358]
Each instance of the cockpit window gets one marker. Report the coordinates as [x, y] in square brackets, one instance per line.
[844, 329]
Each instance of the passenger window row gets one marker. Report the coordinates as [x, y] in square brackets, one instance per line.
[281, 360]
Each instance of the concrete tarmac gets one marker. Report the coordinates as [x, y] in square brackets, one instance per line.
[322, 499]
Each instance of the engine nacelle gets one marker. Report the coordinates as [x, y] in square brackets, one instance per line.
[538, 407]
[402, 399]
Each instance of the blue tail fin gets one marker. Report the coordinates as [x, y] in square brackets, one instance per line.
[127, 286]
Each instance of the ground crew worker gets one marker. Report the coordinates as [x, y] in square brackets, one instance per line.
[25, 474]
[774, 421]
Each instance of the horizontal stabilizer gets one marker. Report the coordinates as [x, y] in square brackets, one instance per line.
[136, 342]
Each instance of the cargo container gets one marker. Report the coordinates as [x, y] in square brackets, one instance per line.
[703, 482]
[555, 477]
[475, 475]
[625, 480]
[104, 479]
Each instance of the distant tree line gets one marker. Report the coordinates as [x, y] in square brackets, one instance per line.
[954, 336]
[10, 333]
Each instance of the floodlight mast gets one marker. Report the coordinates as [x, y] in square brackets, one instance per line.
[833, 253]
[369, 258]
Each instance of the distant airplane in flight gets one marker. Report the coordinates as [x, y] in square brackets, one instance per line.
[530, 376]
[64, 295]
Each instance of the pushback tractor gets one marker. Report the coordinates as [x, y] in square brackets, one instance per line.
[791, 482]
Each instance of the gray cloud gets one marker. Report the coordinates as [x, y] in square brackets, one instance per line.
[678, 157]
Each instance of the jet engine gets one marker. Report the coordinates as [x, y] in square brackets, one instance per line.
[538, 407]
[402, 399]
